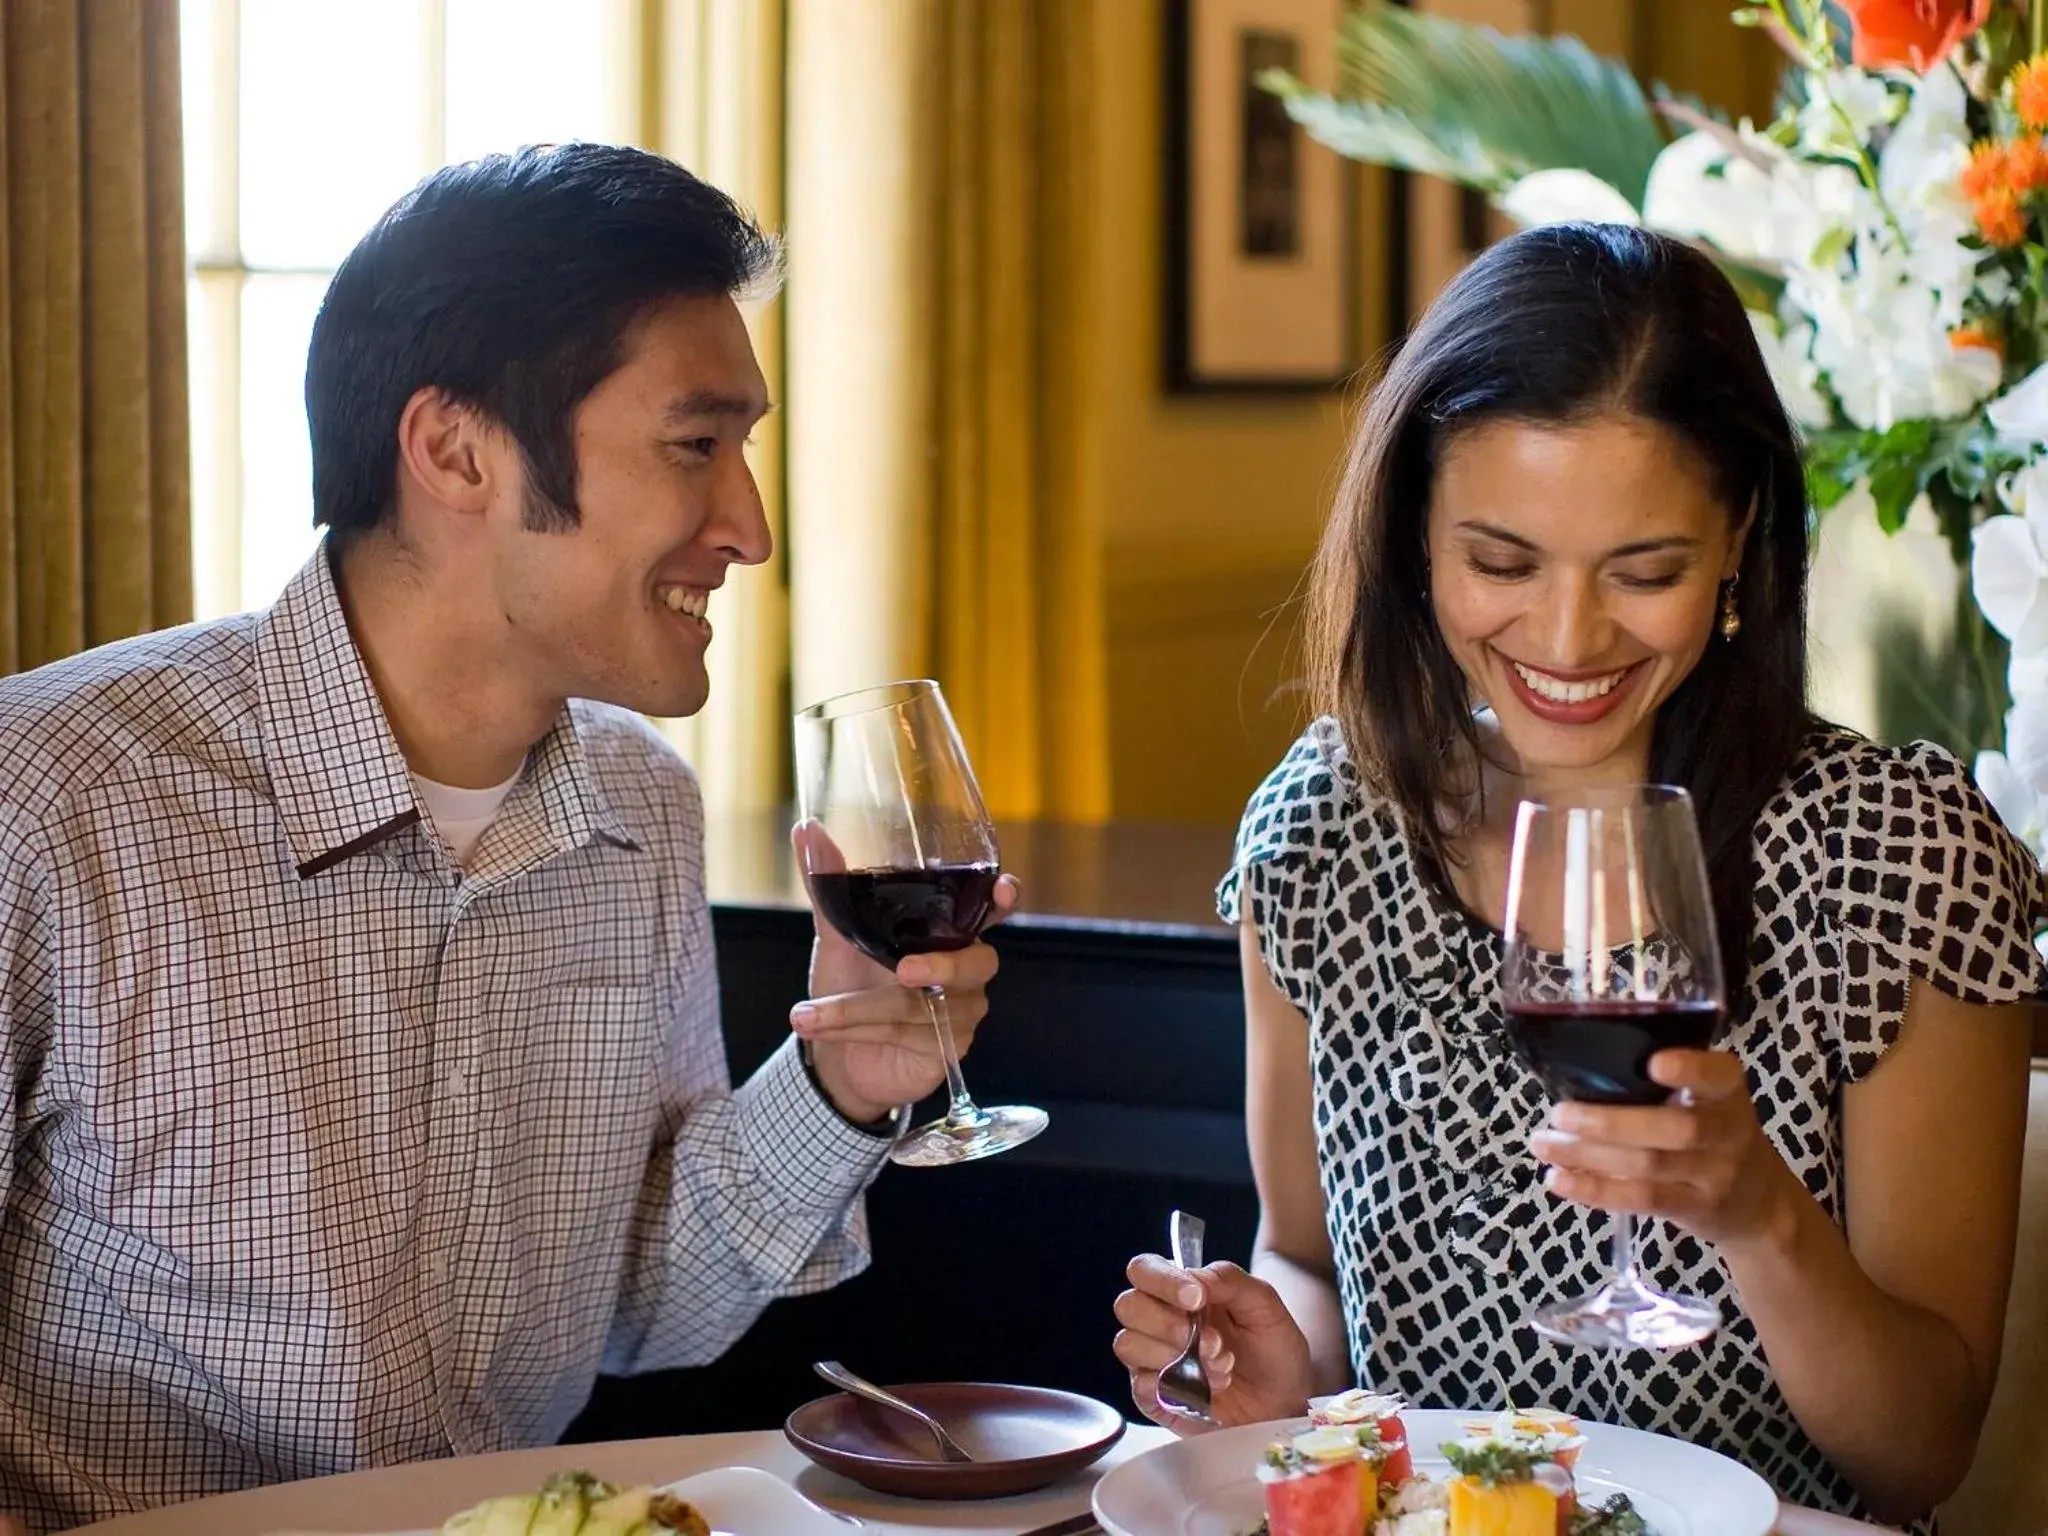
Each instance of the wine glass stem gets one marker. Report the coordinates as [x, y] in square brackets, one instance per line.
[963, 1115]
[1621, 1258]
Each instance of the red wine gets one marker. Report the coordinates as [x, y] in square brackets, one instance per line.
[889, 913]
[1601, 1052]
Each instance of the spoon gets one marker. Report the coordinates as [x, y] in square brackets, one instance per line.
[1183, 1389]
[846, 1381]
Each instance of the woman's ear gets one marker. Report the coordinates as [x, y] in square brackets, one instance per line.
[1733, 564]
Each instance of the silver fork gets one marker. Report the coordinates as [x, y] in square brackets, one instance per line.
[1183, 1389]
[860, 1386]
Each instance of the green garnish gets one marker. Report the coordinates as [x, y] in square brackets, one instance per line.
[1495, 1462]
[1617, 1517]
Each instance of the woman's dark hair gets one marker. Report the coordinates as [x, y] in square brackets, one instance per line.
[1556, 326]
[509, 284]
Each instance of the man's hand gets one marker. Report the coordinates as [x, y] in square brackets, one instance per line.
[869, 1030]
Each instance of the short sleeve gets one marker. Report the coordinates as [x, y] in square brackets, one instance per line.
[1923, 880]
[1292, 829]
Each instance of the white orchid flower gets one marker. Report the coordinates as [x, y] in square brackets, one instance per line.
[2023, 809]
[2026, 673]
[1962, 378]
[1929, 148]
[1698, 187]
[1862, 98]
[2026, 741]
[1565, 196]
[2009, 575]
[2020, 415]
[1882, 343]
[1788, 355]
[2025, 488]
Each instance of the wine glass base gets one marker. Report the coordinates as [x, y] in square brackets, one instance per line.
[946, 1141]
[1628, 1317]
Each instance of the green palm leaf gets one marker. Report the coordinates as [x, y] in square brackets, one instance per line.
[1445, 98]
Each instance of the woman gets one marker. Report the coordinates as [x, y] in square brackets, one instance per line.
[1570, 548]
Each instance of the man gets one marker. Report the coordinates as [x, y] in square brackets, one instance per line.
[357, 997]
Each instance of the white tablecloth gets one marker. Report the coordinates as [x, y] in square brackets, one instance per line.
[421, 1496]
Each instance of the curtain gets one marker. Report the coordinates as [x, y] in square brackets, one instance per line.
[941, 520]
[712, 101]
[1017, 611]
[95, 536]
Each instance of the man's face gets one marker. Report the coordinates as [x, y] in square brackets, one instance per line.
[613, 609]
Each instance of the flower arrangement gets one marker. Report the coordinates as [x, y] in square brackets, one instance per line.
[1888, 231]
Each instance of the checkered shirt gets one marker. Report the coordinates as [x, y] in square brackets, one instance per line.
[322, 1153]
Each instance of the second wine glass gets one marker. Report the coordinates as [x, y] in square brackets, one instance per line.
[1611, 956]
[900, 857]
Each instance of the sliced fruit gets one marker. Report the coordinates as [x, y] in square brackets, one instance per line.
[565, 1500]
[1338, 1498]
[494, 1517]
[1505, 1509]
[620, 1515]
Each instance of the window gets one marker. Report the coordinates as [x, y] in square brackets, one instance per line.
[304, 120]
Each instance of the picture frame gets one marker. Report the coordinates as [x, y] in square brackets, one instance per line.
[1261, 221]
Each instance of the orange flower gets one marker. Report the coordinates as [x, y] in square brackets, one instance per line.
[2030, 92]
[2026, 165]
[2000, 220]
[1963, 337]
[1987, 172]
[1911, 34]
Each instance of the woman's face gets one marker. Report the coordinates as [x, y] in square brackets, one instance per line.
[1575, 573]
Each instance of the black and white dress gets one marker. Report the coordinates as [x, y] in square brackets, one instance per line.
[1874, 866]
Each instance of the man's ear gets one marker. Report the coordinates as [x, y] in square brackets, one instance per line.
[444, 448]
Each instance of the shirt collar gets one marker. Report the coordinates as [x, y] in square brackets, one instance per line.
[341, 782]
[573, 802]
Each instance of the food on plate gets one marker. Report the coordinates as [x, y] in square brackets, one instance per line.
[1323, 1480]
[1383, 1412]
[1558, 1432]
[577, 1504]
[1350, 1474]
[1508, 1487]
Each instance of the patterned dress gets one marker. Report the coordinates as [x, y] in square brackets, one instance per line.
[1874, 866]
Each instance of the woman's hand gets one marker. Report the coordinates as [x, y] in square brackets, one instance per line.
[1700, 1160]
[1255, 1357]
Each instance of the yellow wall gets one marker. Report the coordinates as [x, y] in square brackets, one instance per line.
[1211, 505]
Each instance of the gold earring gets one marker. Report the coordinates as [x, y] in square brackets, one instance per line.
[1731, 621]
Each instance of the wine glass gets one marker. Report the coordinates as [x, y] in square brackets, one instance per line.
[1611, 957]
[900, 857]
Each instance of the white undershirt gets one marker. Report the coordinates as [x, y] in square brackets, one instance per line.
[461, 815]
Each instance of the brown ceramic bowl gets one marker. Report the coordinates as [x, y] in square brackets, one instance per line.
[1021, 1438]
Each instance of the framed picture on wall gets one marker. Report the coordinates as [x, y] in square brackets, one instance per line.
[1260, 219]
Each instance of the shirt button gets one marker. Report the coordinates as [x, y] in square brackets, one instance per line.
[436, 1270]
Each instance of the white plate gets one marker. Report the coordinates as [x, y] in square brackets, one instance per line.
[1208, 1485]
[745, 1501]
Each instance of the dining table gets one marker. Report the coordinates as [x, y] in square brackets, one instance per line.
[420, 1495]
